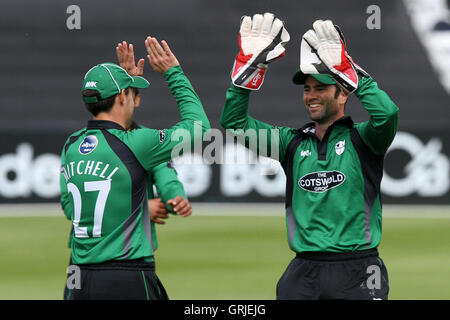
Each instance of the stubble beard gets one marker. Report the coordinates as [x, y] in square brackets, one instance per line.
[325, 115]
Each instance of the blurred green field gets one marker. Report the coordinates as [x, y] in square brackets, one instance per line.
[223, 257]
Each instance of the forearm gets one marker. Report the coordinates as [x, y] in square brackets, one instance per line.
[235, 111]
[189, 104]
[379, 105]
[172, 190]
[257, 134]
[65, 204]
[167, 184]
[380, 130]
[236, 119]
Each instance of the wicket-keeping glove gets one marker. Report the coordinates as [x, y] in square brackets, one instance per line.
[261, 40]
[325, 41]
[359, 71]
[311, 63]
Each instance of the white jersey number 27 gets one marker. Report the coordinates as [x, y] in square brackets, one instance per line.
[103, 186]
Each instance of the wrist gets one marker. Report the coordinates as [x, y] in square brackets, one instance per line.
[363, 84]
[172, 70]
[240, 90]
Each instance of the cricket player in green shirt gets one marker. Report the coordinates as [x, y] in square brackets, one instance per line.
[105, 175]
[333, 165]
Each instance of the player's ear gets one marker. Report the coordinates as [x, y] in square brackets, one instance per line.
[121, 96]
[137, 100]
[343, 97]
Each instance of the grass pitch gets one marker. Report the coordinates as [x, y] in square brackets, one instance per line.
[223, 256]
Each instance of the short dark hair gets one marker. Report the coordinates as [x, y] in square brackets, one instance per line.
[337, 92]
[102, 105]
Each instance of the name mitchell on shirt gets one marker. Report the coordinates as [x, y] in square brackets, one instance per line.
[89, 167]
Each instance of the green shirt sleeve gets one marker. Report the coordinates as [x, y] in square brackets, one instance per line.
[189, 103]
[164, 177]
[256, 133]
[65, 196]
[379, 131]
[167, 185]
[153, 147]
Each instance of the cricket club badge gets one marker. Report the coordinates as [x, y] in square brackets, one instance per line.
[339, 147]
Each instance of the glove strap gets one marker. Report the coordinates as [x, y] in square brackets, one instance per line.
[248, 76]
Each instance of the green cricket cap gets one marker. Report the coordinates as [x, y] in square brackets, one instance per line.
[300, 77]
[110, 79]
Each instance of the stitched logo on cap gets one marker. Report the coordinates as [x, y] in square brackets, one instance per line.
[91, 84]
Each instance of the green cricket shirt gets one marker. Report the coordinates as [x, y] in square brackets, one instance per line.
[333, 199]
[104, 179]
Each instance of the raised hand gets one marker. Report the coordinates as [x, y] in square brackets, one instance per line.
[327, 42]
[125, 55]
[261, 40]
[160, 56]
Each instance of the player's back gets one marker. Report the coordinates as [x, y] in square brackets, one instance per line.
[104, 194]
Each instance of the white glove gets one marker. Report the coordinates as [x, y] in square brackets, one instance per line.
[261, 40]
[310, 62]
[325, 41]
[359, 71]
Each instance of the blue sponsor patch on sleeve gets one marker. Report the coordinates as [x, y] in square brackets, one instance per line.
[88, 144]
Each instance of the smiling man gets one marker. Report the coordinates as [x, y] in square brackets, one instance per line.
[324, 101]
[333, 172]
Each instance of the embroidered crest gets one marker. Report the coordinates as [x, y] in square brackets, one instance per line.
[339, 147]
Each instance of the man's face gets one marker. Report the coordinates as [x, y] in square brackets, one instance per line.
[320, 101]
